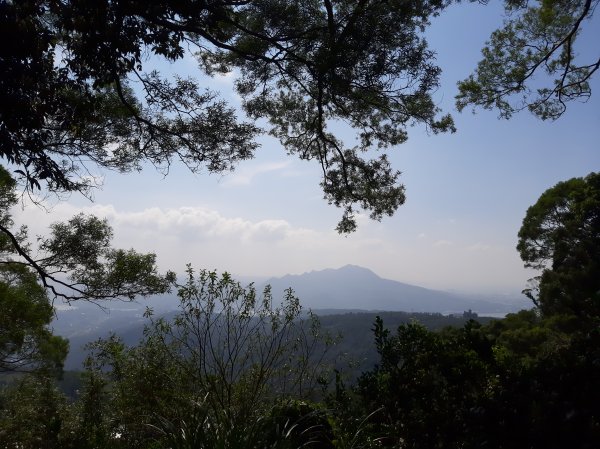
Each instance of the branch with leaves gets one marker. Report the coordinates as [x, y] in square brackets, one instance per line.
[76, 260]
[536, 47]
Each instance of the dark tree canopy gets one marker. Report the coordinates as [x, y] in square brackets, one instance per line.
[560, 235]
[67, 103]
[534, 62]
[514, 383]
[75, 91]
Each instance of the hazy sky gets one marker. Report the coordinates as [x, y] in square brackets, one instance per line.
[467, 192]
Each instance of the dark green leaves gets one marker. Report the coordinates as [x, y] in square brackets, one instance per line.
[560, 235]
[66, 106]
[26, 342]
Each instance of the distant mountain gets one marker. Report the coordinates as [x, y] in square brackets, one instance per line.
[354, 287]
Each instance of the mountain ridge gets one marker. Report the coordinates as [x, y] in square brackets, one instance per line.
[355, 287]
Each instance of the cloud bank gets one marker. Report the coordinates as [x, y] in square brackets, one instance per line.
[206, 238]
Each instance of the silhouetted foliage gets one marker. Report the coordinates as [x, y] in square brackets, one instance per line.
[483, 386]
[26, 340]
[560, 235]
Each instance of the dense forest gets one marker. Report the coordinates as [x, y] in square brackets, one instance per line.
[237, 367]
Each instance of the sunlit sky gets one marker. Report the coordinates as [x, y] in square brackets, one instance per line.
[467, 192]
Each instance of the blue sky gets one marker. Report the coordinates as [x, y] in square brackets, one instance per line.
[466, 192]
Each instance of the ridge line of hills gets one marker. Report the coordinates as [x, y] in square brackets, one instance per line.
[354, 287]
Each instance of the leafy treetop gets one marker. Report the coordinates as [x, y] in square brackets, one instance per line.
[560, 235]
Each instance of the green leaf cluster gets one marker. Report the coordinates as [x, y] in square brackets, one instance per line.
[532, 62]
[76, 260]
[26, 340]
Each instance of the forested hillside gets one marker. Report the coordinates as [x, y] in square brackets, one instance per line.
[354, 330]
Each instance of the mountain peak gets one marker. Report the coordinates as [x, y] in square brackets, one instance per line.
[349, 271]
[355, 269]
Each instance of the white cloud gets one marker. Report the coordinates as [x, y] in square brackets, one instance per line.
[245, 175]
[202, 222]
[442, 243]
[479, 247]
[225, 79]
[209, 239]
